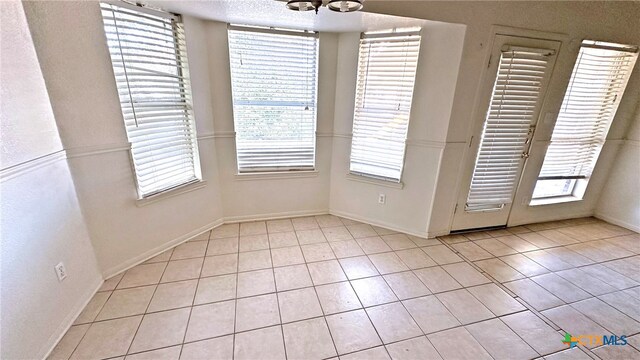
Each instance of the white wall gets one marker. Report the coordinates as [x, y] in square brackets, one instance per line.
[79, 77]
[41, 222]
[407, 208]
[74, 60]
[605, 21]
[22, 92]
[619, 202]
[78, 73]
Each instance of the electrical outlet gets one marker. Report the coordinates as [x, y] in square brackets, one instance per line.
[61, 271]
[382, 199]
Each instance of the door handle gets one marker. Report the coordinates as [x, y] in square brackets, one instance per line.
[525, 155]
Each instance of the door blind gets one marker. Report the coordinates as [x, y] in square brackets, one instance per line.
[274, 79]
[596, 86]
[386, 75]
[148, 54]
[513, 110]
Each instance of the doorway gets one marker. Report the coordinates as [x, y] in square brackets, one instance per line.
[511, 96]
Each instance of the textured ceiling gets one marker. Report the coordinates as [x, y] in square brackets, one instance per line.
[274, 13]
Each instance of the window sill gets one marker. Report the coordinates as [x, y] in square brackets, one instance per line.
[375, 181]
[171, 193]
[276, 175]
[555, 200]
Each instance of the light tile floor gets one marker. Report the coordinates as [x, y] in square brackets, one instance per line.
[322, 287]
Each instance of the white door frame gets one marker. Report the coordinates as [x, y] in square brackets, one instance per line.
[524, 37]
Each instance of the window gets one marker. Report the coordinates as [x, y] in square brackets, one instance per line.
[513, 111]
[274, 78]
[386, 75]
[590, 102]
[148, 54]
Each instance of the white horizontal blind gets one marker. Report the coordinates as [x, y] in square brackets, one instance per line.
[148, 54]
[597, 83]
[515, 103]
[274, 79]
[386, 75]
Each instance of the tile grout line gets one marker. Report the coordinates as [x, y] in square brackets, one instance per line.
[401, 301]
[275, 287]
[235, 300]
[186, 330]
[493, 280]
[143, 315]
[90, 323]
[464, 259]
[552, 272]
[315, 290]
[364, 309]
[314, 286]
[498, 283]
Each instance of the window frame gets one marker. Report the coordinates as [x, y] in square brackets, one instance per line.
[489, 190]
[275, 168]
[185, 94]
[361, 77]
[580, 182]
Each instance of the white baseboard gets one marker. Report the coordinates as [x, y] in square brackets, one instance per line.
[69, 320]
[274, 216]
[115, 270]
[226, 220]
[378, 223]
[552, 218]
[624, 224]
[433, 234]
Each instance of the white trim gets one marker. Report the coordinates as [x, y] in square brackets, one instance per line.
[270, 175]
[631, 142]
[31, 165]
[411, 142]
[115, 270]
[224, 134]
[374, 181]
[208, 136]
[615, 221]
[232, 134]
[324, 134]
[69, 320]
[179, 190]
[144, 9]
[554, 200]
[383, 224]
[534, 218]
[426, 143]
[522, 32]
[271, 30]
[217, 135]
[343, 135]
[614, 142]
[274, 216]
[433, 234]
[82, 151]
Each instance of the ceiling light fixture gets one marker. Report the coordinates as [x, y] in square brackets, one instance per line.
[335, 5]
[345, 5]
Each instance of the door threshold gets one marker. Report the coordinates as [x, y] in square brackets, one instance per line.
[486, 228]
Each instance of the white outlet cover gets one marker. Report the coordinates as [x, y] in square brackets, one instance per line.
[61, 271]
